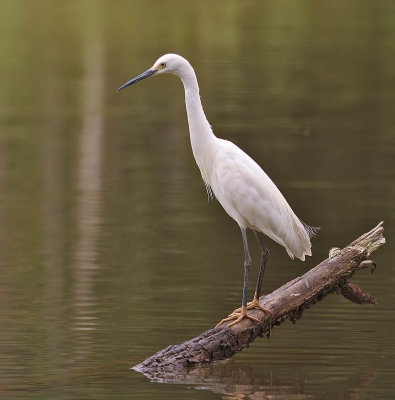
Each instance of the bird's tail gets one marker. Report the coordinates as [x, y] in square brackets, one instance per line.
[312, 231]
[299, 245]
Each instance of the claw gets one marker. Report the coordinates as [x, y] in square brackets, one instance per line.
[238, 317]
[255, 304]
[252, 304]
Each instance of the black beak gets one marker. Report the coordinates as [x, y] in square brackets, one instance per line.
[144, 75]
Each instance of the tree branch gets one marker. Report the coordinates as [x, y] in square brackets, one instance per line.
[287, 302]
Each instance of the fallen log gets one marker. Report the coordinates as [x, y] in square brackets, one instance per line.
[287, 302]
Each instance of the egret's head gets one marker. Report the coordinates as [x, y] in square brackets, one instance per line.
[169, 63]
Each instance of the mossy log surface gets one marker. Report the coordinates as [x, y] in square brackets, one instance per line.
[287, 302]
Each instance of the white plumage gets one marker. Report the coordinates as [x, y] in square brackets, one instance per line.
[244, 190]
[251, 198]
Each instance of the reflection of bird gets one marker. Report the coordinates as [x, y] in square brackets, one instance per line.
[244, 190]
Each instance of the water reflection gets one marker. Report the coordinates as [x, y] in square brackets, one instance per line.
[88, 215]
[237, 380]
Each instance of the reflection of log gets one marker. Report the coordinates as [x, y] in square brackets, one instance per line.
[287, 302]
[238, 380]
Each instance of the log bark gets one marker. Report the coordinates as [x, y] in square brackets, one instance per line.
[287, 302]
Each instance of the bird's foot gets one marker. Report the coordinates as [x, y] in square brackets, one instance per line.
[252, 304]
[237, 317]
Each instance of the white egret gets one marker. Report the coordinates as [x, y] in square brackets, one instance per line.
[244, 190]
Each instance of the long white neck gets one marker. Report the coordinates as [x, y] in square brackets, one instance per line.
[202, 137]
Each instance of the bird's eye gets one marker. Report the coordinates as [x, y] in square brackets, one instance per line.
[163, 64]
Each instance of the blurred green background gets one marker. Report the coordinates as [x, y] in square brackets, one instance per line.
[109, 249]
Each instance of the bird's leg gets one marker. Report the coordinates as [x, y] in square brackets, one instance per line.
[265, 255]
[238, 316]
[264, 259]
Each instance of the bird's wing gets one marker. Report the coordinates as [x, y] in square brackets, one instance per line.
[250, 197]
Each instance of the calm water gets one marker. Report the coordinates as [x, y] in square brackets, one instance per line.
[109, 250]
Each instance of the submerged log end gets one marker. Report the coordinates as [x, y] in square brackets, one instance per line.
[212, 345]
